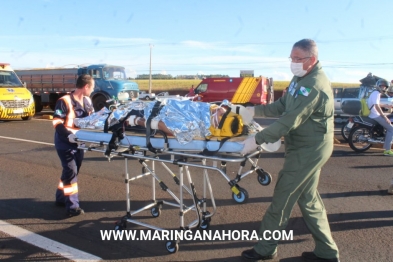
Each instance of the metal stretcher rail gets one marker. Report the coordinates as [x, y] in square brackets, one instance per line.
[199, 205]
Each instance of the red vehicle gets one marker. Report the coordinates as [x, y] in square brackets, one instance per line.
[238, 90]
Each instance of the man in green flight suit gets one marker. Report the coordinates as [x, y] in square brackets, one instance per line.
[306, 123]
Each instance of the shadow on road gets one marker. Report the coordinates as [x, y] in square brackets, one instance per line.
[86, 227]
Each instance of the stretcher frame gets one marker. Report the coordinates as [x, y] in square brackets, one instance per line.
[180, 159]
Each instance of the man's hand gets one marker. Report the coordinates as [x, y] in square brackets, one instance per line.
[72, 138]
[271, 147]
[249, 145]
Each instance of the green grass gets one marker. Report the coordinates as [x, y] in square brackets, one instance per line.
[185, 85]
[167, 85]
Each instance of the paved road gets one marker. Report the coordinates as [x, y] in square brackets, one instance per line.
[352, 185]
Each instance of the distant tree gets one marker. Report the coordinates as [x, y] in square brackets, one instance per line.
[154, 76]
[215, 76]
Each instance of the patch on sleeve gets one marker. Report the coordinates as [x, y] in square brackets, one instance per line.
[58, 112]
[304, 91]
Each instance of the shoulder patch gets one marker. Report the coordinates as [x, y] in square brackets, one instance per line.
[58, 112]
[304, 91]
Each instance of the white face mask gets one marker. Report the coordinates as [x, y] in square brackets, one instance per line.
[297, 69]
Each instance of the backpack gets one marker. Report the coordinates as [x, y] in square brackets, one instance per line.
[229, 125]
[365, 111]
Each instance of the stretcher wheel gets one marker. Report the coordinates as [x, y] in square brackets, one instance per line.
[120, 226]
[205, 224]
[172, 247]
[155, 211]
[242, 197]
[264, 178]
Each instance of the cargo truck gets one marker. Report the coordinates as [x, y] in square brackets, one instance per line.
[246, 91]
[16, 101]
[48, 85]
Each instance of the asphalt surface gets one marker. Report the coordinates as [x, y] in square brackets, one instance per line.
[352, 185]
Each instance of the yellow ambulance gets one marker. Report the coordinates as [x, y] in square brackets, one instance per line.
[15, 100]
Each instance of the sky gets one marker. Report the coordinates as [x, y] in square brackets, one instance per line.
[187, 37]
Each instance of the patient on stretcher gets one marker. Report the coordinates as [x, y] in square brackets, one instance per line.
[232, 123]
[185, 120]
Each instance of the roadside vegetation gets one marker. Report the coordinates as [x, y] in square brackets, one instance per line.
[160, 85]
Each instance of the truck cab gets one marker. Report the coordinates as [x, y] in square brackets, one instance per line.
[16, 102]
[237, 90]
[110, 82]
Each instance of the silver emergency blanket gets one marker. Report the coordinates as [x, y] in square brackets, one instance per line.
[97, 119]
[187, 120]
[121, 112]
[93, 121]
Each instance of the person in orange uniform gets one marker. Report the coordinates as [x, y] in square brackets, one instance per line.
[75, 105]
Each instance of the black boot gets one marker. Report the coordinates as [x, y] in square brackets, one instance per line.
[252, 255]
[75, 212]
[311, 257]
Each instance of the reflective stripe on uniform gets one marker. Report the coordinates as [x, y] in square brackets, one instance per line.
[57, 121]
[69, 122]
[70, 189]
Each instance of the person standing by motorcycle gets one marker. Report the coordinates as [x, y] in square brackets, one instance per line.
[377, 114]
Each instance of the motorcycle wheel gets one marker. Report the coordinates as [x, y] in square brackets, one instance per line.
[345, 132]
[358, 139]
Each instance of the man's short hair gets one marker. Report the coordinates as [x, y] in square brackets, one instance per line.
[84, 79]
[307, 45]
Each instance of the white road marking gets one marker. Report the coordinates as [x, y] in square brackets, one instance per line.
[40, 241]
[25, 140]
[46, 243]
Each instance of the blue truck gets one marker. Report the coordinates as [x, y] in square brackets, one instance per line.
[48, 85]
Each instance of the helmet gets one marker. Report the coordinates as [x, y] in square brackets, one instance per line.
[382, 82]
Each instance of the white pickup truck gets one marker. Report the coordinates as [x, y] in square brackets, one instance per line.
[343, 94]
[165, 95]
[146, 96]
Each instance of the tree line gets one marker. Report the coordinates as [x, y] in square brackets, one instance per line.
[162, 76]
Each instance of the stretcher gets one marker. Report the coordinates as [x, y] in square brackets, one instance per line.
[133, 146]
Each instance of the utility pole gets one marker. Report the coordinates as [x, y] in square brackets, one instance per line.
[151, 46]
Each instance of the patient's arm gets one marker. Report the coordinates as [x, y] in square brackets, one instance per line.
[142, 122]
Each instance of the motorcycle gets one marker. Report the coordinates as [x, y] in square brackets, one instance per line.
[366, 132]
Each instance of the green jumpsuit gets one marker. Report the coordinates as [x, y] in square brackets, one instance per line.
[307, 125]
